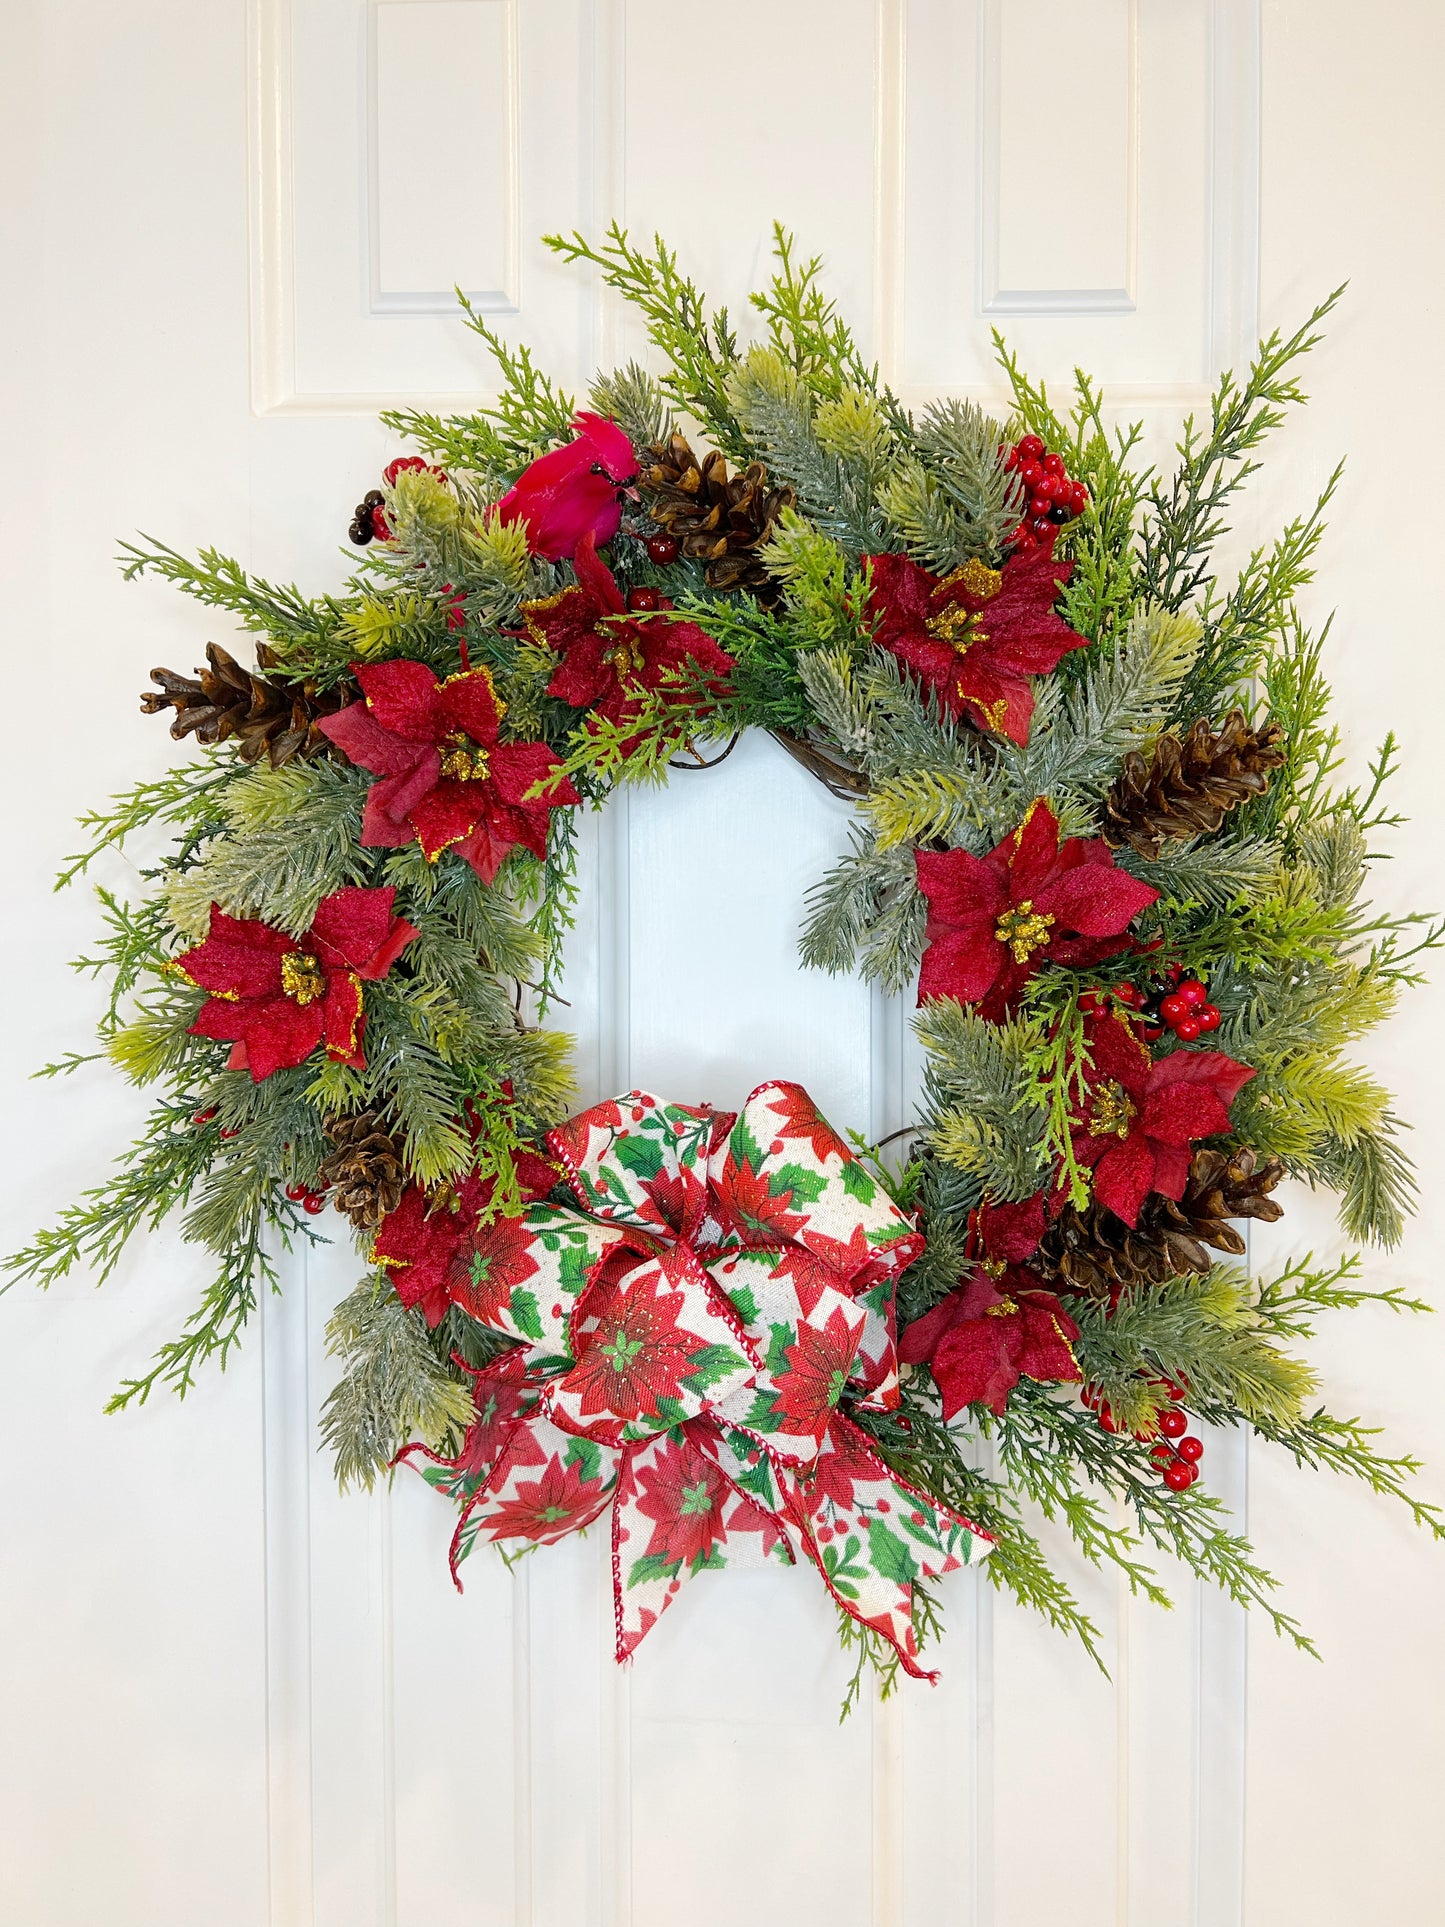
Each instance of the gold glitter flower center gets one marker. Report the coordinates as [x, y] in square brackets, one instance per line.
[464, 761]
[1113, 1110]
[302, 978]
[955, 624]
[1023, 929]
[625, 656]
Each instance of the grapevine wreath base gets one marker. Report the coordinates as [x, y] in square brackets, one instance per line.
[1096, 826]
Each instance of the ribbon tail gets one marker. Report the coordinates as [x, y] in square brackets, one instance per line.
[873, 1536]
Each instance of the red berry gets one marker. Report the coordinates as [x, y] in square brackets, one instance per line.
[1206, 1016]
[1031, 474]
[1128, 994]
[204, 1117]
[1191, 1448]
[1172, 1422]
[1022, 536]
[296, 1192]
[313, 1202]
[1078, 497]
[1179, 1477]
[1161, 1454]
[1040, 505]
[1041, 525]
[1031, 446]
[1090, 1396]
[1056, 487]
[1054, 462]
[662, 550]
[1151, 1033]
[1192, 991]
[1173, 1007]
[1106, 1417]
[1175, 1390]
[643, 601]
[235, 1131]
[1186, 1030]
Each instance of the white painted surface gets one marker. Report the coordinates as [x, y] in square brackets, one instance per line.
[227, 1695]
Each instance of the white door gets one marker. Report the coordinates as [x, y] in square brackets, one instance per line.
[228, 1696]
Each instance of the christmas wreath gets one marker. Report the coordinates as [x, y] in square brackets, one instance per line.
[1097, 826]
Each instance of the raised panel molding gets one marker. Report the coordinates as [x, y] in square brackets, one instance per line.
[429, 198]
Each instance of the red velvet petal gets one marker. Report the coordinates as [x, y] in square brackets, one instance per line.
[1181, 1112]
[977, 1363]
[584, 674]
[396, 940]
[899, 598]
[517, 769]
[402, 698]
[238, 955]
[1030, 852]
[350, 926]
[1115, 1052]
[279, 1033]
[469, 703]
[1001, 704]
[1095, 901]
[1171, 1167]
[963, 891]
[1209, 1067]
[341, 1012]
[597, 579]
[960, 964]
[1012, 1231]
[446, 814]
[219, 1018]
[1048, 1331]
[1124, 1176]
[386, 819]
[363, 741]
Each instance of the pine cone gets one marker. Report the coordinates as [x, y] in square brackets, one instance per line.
[714, 518]
[1185, 788]
[1094, 1251]
[271, 719]
[364, 1173]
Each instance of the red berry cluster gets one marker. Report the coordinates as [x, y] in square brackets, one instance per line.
[368, 518]
[309, 1200]
[204, 1117]
[1176, 1451]
[1052, 496]
[1181, 1005]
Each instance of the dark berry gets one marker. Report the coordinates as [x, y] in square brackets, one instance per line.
[643, 601]
[1058, 514]
[662, 550]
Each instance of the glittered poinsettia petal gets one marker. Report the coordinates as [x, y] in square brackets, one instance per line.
[402, 697]
[468, 703]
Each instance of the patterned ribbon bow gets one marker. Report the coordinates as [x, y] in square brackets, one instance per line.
[683, 1340]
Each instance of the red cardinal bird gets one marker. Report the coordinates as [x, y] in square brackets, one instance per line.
[574, 491]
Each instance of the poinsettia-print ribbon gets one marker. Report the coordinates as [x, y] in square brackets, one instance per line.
[683, 1335]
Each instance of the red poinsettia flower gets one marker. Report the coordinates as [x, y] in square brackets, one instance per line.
[446, 780]
[609, 657]
[275, 997]
[575, 491]
[977, 635]
[1140, 1117]
[422, 1241]
[995, 920]
[988, 1334]
[1011, 1231]
[561, 1500]
[684, 1495]
[638, 1355]
[818, 1367]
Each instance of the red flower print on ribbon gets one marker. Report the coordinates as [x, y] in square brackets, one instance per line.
[423, 1241]
[610, 658]
[561, 1499]
[977, 635]
[275, 998]
[574, 493]
[447, 781]
[1141, 1115]
[990, 1332]
[995, 920]
[698, 1359]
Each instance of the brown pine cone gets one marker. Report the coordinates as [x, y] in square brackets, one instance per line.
[271, 719]
[713, 517]
[364, 1174]
[1094, 1251]
[1186, 787]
